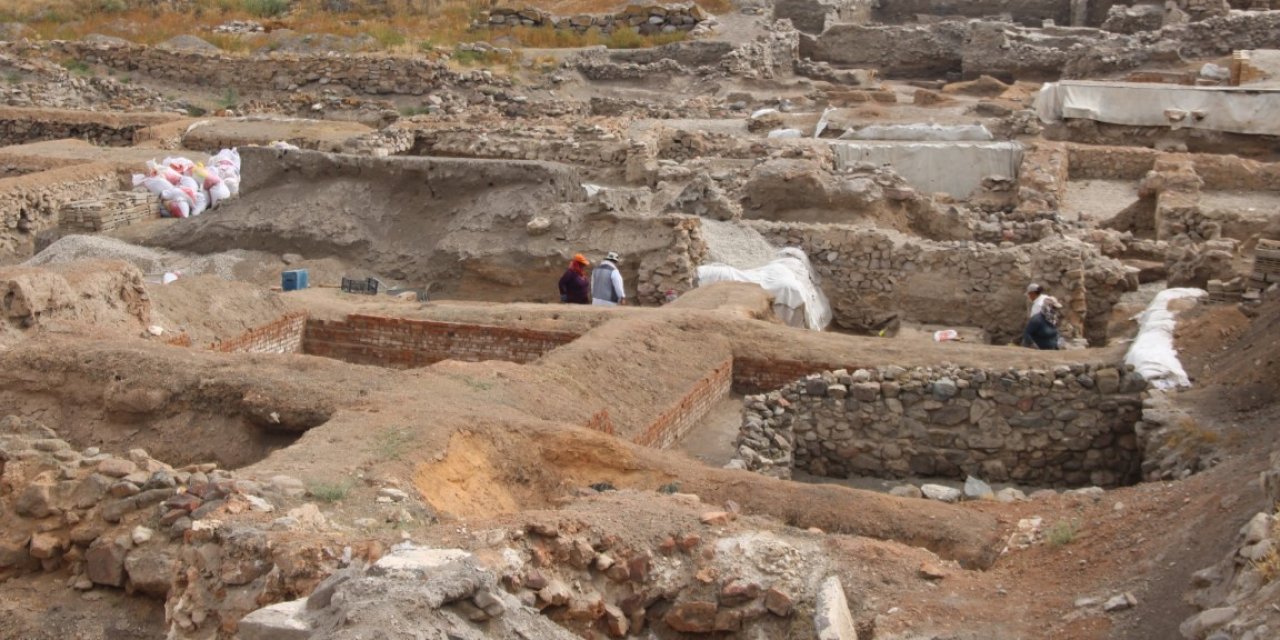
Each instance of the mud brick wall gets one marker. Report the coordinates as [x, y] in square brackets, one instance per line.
[676, 420]
[119, 209]
[29, 203]
[401, 343]
[1072, 425]
[1092, 162]
[279, 336]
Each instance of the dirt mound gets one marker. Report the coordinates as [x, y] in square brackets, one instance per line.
[208, 308]
[1238, 356]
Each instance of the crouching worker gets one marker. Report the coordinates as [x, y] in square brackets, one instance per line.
[574, 286]
[1041, 331]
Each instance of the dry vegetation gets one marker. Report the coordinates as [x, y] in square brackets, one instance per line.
[396, 26]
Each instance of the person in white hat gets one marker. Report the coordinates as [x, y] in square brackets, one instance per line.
[1041, 331]
[606, 283]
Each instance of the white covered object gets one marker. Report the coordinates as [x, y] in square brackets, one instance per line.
[786, 133]
[921, 133]
[790, 279]
[1152, 353]
[1236, 109]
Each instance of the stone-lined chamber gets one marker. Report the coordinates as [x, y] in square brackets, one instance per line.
[1071, 425]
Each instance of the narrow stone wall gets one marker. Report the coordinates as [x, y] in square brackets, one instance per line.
[1072, 425]
[401, 343]
[279, 336]
[29, 203]
[675, 421]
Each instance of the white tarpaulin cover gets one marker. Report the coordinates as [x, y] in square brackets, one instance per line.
[920, 132]
[956, 168]
[790, 279]
[1152, 353]
[1235, 109]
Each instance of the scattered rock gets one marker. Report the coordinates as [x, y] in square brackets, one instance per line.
[940, 492]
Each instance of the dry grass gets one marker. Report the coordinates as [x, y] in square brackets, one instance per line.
[398, 26]
[1189, 436]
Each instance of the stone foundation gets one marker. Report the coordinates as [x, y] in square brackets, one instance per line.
[1072, 425]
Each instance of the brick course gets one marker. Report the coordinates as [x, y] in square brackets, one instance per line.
[677, 419]
[400, 343]
[279, 336]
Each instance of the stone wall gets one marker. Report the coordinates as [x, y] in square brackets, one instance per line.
[363, 73]
[1027, 12]
[874, 277]
[924, 51]
[645, 18]
[558, 146]
[29, 203]
[1072, 425]
[676, 420]
[21, 126]
[813, 16]
[401, 343]
[283, 335]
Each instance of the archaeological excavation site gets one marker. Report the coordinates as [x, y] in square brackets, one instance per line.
[556, 319]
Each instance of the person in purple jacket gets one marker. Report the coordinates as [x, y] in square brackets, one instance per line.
[574, 286]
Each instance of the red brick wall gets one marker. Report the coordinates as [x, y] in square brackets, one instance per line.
[280, 336]
[401, 343]
[677, 419]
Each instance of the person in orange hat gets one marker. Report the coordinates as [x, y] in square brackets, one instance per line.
[574, 286]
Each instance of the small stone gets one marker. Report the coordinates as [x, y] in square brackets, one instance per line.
[931, 571]
[940, 492]
[1120, 603]
[975, 489]
[141, 535]
[394, 494]
[906, 491]
[116, 468]
[287, 485]
[716, 518]
[1010, 494]
[778, 602]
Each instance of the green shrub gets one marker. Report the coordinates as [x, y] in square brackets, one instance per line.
[329, 491]
[1063, 533]
[78, 67]
[230, 98]
[266, 8]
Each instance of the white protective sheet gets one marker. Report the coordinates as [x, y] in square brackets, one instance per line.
[920, 132]
[1234, 109]
[790, 279]
[956, 168]
[1152, 353]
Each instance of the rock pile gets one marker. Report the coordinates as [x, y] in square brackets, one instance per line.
[1072, 425]
[1237, 595]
